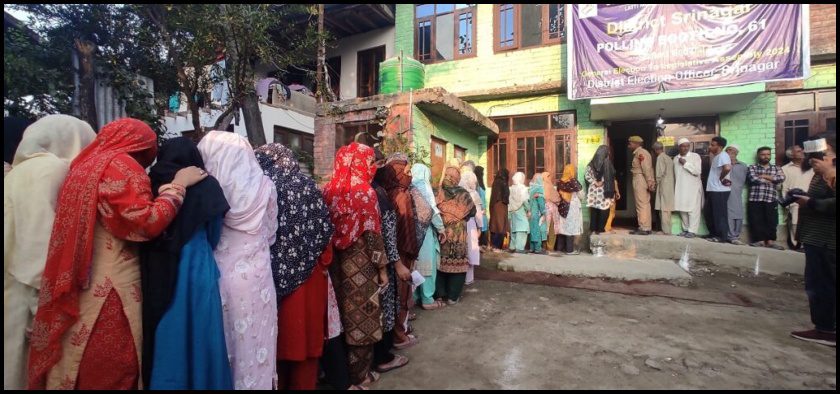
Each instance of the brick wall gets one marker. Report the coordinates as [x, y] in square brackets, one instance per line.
[823, 29]
[822, 76]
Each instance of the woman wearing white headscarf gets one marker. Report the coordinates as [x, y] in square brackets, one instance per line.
[249, 299]
[470, 183]
[29, 201]
[519, 211]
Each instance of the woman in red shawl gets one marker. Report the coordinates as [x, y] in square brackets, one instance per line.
[360, 253]
[87, 332]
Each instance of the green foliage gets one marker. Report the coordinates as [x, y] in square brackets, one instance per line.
[399, 144]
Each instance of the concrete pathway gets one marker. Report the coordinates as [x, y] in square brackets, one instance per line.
[596, 267]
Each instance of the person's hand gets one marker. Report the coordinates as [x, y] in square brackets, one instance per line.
[383, 277]
[189, 176]
[726, 182]
[651, 185]
[442, 237]
[537, 195]
[617, 195]
[542, 220]
[682, 161]
[402, 273]
[802, 200]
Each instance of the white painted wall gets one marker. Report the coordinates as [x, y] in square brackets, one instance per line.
[348, 47]
[271, 116]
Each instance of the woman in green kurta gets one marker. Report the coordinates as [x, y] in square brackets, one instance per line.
[536, 222]
[429, 256]
[519, 209]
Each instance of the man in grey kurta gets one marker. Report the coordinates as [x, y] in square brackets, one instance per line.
[735, 205]
[664, 186]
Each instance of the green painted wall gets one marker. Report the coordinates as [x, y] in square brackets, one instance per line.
[426, 125]
[822, 76]
[487, 70]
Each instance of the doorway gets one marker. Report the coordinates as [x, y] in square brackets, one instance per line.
[699, 130]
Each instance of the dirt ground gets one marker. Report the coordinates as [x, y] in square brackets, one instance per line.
[728, 330]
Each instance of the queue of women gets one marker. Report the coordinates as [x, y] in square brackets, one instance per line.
[217, 266]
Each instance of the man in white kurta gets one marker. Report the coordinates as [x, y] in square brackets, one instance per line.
[688, 195]
[795, 178]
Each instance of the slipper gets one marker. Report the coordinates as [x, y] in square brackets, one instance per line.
[777, 247]
[412, 340]
[372, 378]
[399, 361]
[431, 307]
[357, 387]
[412, 316]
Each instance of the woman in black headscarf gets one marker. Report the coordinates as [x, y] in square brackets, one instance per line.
[600, 176]
[299, 263]
[183, 331]
[499, 196]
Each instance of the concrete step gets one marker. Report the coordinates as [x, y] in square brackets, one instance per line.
[622, 245]
[598, 267]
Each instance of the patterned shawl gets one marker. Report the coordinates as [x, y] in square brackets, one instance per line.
[350, 198]
[454, 201]
[568, 185]
[114, 154]
[303, 223]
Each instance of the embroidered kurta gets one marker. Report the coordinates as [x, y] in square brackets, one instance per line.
[595, 194]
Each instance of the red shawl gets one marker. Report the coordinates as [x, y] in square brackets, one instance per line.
[351, 200]
[105, 177]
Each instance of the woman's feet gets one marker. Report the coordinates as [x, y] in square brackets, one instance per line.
[436, 305]
[399, 361]
[412, 340]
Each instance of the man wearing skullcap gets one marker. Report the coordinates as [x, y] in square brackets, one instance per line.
[688, 195]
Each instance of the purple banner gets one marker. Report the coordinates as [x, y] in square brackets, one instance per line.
[620, 50]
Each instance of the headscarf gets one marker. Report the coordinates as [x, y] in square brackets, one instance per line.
[468, 165]
[230, 159]
[160, 258]
[518, 192]
[479, 174]
[303, 220]
[454, 202]
[349, 196]
[396, 182]
[116, 149]
[568, 185]
[13, 128]
[501, 190]
[31, 192]
[470, 183]
[424, 199]
[551, 194]
[536, 186]
[603, 169]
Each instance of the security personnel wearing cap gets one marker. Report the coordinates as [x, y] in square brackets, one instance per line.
[643, 183]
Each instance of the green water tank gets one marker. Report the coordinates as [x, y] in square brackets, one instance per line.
[400, 71]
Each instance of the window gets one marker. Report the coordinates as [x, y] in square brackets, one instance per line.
[294, 140]
[534, 143]
[518, 26]
[460, 153]
[367, 68]
[444, 31]
[801, 116]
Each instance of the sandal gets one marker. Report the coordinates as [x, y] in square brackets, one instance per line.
[412, 316]
[357, 387]
[399, 361]
[372, 378]
[430, 307]
[412, 340]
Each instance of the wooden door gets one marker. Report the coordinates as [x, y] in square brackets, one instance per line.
[531, 154]
[438, 160]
